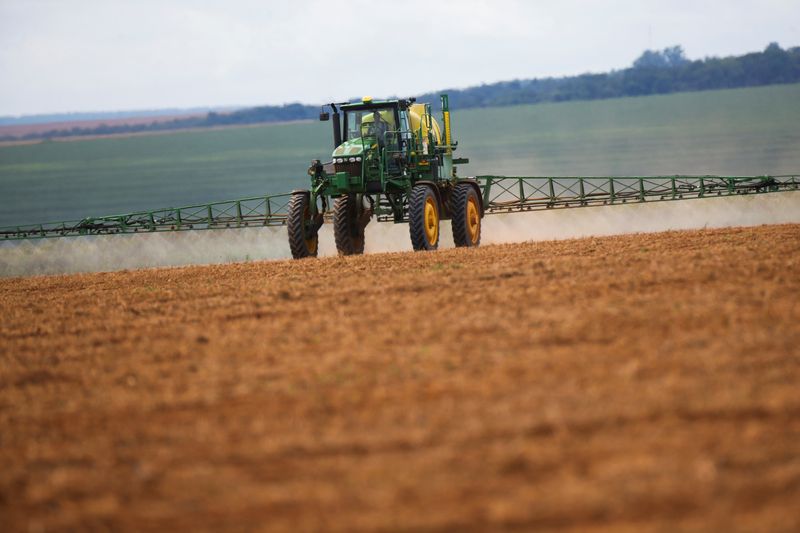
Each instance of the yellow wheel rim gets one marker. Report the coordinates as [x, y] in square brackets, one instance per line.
[431, 221]
[473, 220]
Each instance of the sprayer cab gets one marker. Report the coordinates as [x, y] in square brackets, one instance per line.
[391, 159]
[385, 146]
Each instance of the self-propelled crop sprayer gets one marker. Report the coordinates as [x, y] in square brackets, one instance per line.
[392, 161]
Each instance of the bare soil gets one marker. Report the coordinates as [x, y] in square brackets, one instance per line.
[645, 382]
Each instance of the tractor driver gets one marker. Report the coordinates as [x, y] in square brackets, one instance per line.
[379, 127]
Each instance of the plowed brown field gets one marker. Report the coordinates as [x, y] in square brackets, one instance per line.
[635, 382]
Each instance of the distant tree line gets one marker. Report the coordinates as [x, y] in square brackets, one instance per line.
[107, 115]
[254, 115]
[654, 72]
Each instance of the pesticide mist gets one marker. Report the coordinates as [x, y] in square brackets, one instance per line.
[120, 252]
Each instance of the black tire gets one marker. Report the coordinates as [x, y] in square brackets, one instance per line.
[347, 230]
[465, 209]
[303, 238]
[424, 233]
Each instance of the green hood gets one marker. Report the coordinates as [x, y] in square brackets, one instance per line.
[353, 147]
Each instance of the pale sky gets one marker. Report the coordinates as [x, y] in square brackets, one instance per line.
[104, 55]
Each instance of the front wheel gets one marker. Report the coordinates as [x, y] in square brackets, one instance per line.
[423, 218]
[348, 227]
[466, 213]
[303, 232]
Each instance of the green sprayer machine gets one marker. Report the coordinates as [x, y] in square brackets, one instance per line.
[392, 161]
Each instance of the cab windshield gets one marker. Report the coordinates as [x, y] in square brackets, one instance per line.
[369, 123]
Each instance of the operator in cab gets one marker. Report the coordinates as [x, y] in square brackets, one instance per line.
[379, 127]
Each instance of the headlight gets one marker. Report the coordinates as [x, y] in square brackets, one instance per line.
[358, 159]
[339, 160]
[352, 159]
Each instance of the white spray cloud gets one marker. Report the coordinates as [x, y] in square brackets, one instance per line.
[119, 252]
[751, 210]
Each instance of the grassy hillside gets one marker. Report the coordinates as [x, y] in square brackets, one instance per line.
[741, 131]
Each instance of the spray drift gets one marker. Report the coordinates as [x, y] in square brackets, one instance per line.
[119, 252]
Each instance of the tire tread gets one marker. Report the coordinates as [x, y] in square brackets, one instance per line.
[416, 218]
[295, 226]
[346, 232]
[458, 208]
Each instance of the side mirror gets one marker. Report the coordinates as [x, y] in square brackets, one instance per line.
[324, 117]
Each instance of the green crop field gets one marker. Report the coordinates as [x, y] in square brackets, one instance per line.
[732, 132]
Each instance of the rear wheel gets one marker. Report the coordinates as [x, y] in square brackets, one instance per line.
[303, 236]
[466, 212]
[423, 218]
[348, 229]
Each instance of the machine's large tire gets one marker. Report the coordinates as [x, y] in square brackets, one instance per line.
[347, 228]
[423, 218]
[303, 239]
[465, 208]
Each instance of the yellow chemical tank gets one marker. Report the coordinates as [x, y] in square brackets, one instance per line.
[415, 115]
